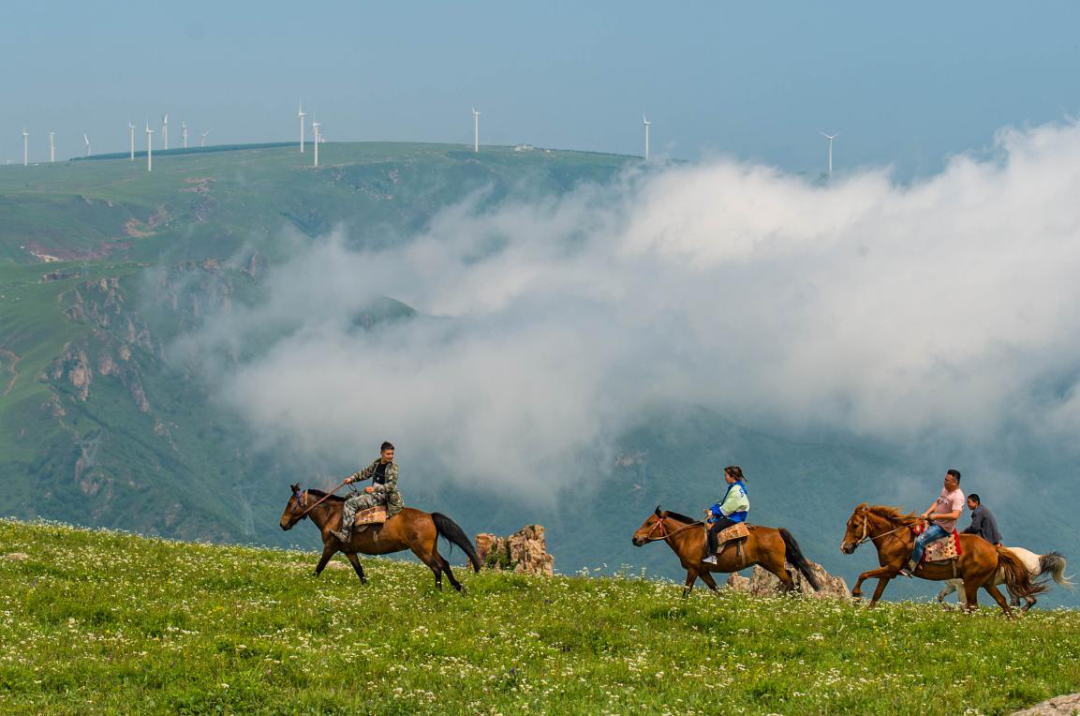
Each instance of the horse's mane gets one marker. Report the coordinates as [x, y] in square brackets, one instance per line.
[319, 494]
[680, 518]
[893, 514]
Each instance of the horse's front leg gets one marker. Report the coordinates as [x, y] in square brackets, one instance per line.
[691, 577]
[856, 591]
[329, 550]
[882, 581]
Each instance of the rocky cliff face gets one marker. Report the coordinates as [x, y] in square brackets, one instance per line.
[762, 583]
[524, 552]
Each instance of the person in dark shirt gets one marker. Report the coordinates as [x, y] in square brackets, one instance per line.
[982, 522]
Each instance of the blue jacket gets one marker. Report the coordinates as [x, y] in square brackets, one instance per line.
[735, 504]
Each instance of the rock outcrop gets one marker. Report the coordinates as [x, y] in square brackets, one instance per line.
[524, 552]
[1057, 706]
[762, 583]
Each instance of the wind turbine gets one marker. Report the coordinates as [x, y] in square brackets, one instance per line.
[202, 139]
[830, 137]
[646, 122]
[301, 114]
[25, 143]
[87, 140]
[149, 148]
[476, 130]
[315, 130]
[52, 147]
[183, 133]
[165, 131]
[131, 128]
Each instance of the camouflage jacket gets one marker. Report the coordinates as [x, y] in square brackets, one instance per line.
[384, 489]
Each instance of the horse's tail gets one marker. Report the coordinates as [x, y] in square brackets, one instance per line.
[795, 558]
[1053, 563]
[449, 530]
[1017, 577]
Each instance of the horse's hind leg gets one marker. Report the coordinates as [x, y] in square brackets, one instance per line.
[431, 559]
[780, 570]
[449, 573]
[328, 551]
[355, 561]
[709, 581]
[971, 594]
[998, 597]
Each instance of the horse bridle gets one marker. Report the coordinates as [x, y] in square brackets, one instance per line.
[866, 536]
[301, 501]
[660, 523]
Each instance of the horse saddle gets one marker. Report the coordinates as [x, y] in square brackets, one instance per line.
[940, 550]
[738, 531]
[371, 516]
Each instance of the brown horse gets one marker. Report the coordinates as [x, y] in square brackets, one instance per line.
[890, 531]
[771, 548]
[409, 529]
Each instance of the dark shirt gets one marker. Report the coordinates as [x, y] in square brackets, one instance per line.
[984, 525]
[379, 478]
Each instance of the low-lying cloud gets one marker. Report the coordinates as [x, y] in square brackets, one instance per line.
[948, 308]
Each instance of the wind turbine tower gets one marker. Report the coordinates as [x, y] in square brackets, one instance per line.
[476, 130]
[183, 133]
[165, 131]
[202, 139]
[301, 114]
[87, 140]
[830, 137]
[25, 143]
[52, 147]
[646, 122]
[149, 148]
[131, 129]
[315, 130]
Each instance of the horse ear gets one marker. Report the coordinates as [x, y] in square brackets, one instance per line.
[861, 507]
[657, 511]
[295, 488]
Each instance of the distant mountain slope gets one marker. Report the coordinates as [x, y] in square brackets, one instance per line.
[103, 265]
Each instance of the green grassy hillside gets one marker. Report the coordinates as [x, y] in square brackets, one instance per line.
[109, 623]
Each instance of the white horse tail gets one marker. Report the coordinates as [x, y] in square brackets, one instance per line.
[1053, 563]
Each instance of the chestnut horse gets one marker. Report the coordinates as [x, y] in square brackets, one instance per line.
[890, 531]
[408, 529]
[771, 548]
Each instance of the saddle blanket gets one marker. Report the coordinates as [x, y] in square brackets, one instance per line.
[371, 516]
[940, 550]
[736, 531]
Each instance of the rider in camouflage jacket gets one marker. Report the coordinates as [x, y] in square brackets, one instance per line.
[382, 491]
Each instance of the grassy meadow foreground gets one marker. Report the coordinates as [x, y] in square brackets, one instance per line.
[105, 622]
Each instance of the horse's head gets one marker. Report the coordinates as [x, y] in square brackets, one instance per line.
[857, 527]
[650, 528]
[297, 504]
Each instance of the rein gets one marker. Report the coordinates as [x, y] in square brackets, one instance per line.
[660, 523]
[866, 536]
[326, 497]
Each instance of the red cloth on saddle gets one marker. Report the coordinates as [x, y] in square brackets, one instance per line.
[936, 551]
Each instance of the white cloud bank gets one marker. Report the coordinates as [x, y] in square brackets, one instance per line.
[950, 308]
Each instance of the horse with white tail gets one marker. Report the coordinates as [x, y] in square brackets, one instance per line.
[1051, 564]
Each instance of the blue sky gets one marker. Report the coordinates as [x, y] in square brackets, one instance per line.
[904, 84]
